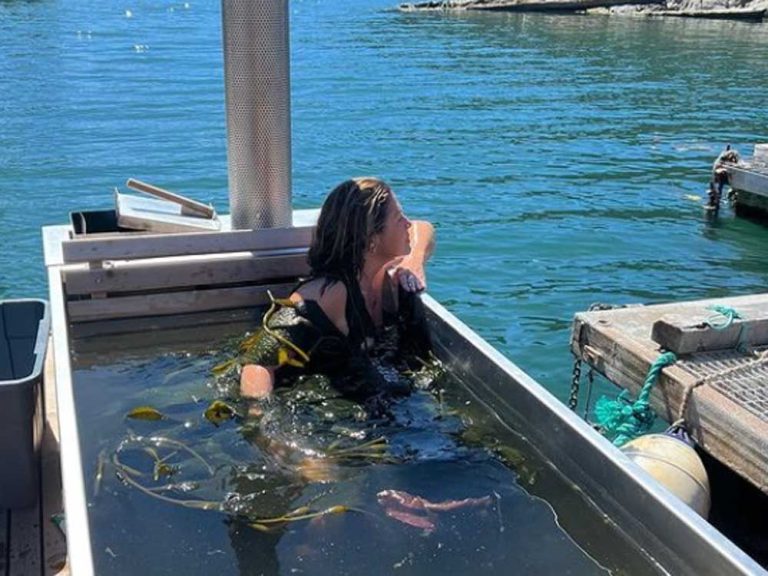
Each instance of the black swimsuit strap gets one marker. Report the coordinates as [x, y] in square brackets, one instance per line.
[361, 326]
[359, 321]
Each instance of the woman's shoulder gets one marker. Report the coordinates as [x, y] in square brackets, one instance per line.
[330, 294]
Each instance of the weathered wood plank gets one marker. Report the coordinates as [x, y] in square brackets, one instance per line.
[25, 546]
[174, 302]
[54, 542]
[219, 269]
[91, 333]
[688, 333]
[128, 247]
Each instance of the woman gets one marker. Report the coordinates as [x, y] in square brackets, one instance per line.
[367, 263]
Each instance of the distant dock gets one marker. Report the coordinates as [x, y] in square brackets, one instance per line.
[721, 391]
[749, 180]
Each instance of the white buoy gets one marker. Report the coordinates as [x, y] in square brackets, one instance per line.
[675, 465]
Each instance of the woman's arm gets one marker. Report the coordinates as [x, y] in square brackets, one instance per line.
[409, 272]
[256, 381]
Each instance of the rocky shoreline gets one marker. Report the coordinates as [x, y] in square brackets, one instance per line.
[733, 9]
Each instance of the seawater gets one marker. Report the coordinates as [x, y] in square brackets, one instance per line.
[555, 154]
[306, 449]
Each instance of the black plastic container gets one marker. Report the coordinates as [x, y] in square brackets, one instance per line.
[24, 327]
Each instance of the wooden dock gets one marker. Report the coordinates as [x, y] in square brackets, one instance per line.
[727, 390]
[749, 180]
[30, 543]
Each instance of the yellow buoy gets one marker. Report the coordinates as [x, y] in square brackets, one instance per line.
[675, 465]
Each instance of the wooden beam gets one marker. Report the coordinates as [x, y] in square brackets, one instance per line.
[129, 247]
[685, 333]
[54, 542]
[174, 302]
[219, 269]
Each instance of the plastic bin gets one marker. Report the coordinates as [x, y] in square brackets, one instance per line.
[24, 326]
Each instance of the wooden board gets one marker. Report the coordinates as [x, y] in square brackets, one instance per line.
[174, 273]
[618, 344]
[706, 330]
[171, 303]
[130, 247]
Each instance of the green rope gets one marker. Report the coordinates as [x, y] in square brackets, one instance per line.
[623, 420]
[729, 314]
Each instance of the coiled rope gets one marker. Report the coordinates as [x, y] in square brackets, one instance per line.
[623, 420]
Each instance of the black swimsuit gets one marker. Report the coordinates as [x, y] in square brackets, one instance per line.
[355, 361]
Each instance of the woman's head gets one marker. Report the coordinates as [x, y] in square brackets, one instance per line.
[359, 218]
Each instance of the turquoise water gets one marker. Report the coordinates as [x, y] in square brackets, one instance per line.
[553, 153]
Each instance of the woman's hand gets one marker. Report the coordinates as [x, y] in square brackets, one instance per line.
[409, 271]
[410, 280]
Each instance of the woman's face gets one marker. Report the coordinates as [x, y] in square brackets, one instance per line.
[394, 240]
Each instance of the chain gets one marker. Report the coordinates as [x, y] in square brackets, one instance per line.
[591, 383]
[573, 398]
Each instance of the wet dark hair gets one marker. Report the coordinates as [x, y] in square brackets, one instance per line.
[352, 214]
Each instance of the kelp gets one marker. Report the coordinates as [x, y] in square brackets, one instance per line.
[100, 464]
[165, 468]
[376, 449]
[125, 474]
[219, 412]
[145, 413]
[266, 346]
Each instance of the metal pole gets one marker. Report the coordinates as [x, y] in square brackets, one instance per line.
[258, 108]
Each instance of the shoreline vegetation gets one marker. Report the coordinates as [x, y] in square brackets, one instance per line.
[725, 9]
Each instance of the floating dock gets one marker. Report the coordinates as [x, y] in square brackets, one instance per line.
[720, 391]
[31, 544]
[749, 180]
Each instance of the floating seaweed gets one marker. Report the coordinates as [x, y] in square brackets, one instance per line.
[219, 412]
[145, 413]
[267, 346]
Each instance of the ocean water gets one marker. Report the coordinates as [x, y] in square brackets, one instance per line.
[556, 155]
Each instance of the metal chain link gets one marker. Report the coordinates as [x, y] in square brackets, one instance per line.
[573, 398]
[590, 385]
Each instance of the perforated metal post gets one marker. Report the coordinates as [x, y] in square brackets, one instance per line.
[257, 84]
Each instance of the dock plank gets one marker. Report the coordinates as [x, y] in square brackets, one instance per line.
[54, 542]
[171, 303]
[25, 545]
[618, 344]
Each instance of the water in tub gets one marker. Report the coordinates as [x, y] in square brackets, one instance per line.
[182, 479]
